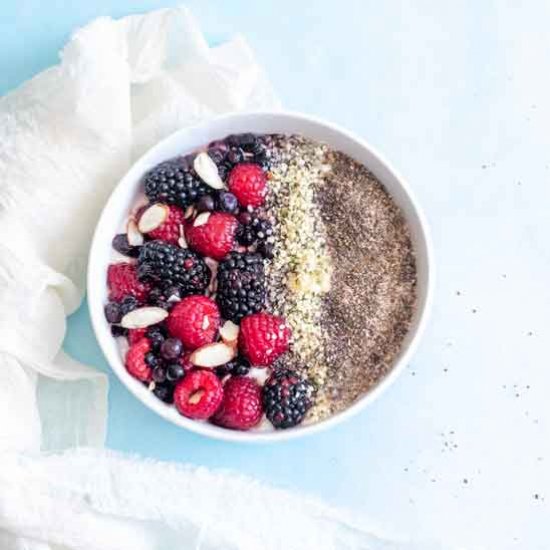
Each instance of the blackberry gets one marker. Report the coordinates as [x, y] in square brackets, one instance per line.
[286, 398]
[174, 182]
[241, 285]
[239, 367]
[254, 229]
[168, 265]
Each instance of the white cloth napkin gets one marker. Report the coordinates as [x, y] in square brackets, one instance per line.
[66, 137]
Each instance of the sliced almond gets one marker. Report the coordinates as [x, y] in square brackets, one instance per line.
[144, 317]
[213, 355]
[133, 234]
[208, 171]
[229, 332]
[153, 217]
[189, 212]
[196, 397]
[201, 219]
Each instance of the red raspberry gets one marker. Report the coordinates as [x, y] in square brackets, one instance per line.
[136, 334]
[195, 321]
[169, 230]
[198, 395]
[215, 238]
[122, 281]
[135, 360]
[263, 338]
[248, 183]
[185, 362]
[241, 408]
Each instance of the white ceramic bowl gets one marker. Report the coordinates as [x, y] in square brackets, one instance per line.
[189, 139]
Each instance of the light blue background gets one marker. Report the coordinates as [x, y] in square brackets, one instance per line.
[456, 94]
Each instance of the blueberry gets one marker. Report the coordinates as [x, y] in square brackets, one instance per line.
[165, 392]
[129, 303]
[171, 349]
[112, 312]
[121, 245]
[159, 374]
[117, 330]
[206, 203]
[156, 337]
[228, 202]
[175, 372]
[151, 360]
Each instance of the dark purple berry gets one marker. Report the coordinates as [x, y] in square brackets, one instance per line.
[238, 367]
[235, 155]
[206, 203]
[175, 372]
[156, 335]
[152, 360]
[216, 154]
[129, 303]
[246, 236]
[171, 349]
[117, 330]
[228, 202]
[112, 312]
[121, 245]
[245, 218]
[165, 392]
[159, 374]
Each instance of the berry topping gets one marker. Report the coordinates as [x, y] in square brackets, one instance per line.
[198, 395]
[171, 349]
[195, 321]
[122, 246]
[135, 360]
[135, 335]
[238, 366]
[241, 407]
[286, 398]
[249, 184]
[206, 203]
[241, 285]
[168, 266]
[263, 338]
[174, 182]
[213, 235]
[122, 281]
[170, 227]
[175, 372]
[112, 312]
[165, 392]
[228, 202]
[156, 335]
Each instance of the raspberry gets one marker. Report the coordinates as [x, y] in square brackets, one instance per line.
[249, 184]
[122, 281]
[135, 360]
[215, 238]
[195, 321]
[286, 397]
[241, 408]
[170, 266]
[136, 334]
[263, 338]
[169, 230]
[174, 182]
[198, 395]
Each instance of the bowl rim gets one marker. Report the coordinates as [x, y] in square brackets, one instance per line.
[218, 433]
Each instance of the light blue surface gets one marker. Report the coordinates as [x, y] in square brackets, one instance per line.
[456, 94]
